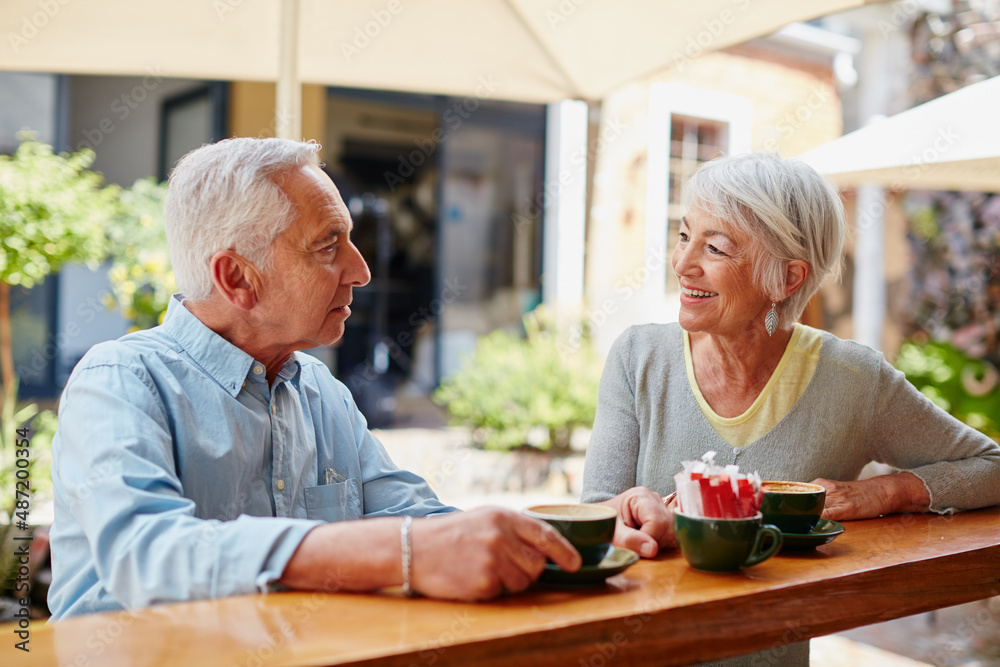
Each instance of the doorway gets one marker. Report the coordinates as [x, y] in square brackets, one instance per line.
[438, 194]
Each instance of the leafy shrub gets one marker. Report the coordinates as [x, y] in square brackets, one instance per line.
[512, 384]
[140, 273]
[967, 388]
[53, 211]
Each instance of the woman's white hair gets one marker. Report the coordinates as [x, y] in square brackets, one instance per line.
[786, 209]
[224, 196]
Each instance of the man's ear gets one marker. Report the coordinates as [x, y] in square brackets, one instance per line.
[236, 279]
[795, 276]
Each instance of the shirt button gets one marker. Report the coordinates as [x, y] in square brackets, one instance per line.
[280, 484]
[257, 370]
[274, 409]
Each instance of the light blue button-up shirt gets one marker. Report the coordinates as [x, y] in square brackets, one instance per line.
[179, 474]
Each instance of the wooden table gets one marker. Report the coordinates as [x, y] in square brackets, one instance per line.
[658, 612]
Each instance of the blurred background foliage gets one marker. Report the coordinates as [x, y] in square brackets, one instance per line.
[141, 278]
[54, 211]
[952, 353]
[513, 384]
[965, 387]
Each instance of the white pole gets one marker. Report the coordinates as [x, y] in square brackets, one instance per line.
[876, 85]
[288, 97]
[564, 222]
[869, 266]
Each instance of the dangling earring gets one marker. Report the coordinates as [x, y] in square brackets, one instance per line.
[771, 320]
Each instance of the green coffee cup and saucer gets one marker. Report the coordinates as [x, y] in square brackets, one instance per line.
[617, 560]
[826, 531]
[589, 528]
[795, 508]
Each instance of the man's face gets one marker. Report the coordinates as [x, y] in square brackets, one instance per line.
[304, 298]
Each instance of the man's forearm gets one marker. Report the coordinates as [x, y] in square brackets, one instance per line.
[349, 556]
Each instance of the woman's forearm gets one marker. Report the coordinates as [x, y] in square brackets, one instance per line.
[873, 497]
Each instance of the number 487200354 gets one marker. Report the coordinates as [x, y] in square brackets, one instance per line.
[23, 482]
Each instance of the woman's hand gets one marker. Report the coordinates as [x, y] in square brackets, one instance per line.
[870, 498]
[645, 525]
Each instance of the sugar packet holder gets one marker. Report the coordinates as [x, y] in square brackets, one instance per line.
[709, 490]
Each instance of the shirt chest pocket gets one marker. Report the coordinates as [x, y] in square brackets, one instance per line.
[333, 502]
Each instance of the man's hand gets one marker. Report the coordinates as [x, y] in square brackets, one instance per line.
[870, 498]
[645, 525]
[485, 552]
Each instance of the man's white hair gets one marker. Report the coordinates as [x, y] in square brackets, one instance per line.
[224, 196]
[787, 210]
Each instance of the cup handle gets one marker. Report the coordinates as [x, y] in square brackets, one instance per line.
[756, 554]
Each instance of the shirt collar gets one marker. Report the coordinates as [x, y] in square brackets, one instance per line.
[224, 362]
[291, 371]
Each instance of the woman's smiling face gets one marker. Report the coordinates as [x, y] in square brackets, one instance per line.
[714, 267]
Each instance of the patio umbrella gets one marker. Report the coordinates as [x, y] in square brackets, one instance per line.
[950, 143]
[522, 50]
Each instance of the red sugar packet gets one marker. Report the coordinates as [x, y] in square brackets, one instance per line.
[718, 492]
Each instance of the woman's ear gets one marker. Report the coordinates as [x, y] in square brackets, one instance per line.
[796, 273]
[236, 279]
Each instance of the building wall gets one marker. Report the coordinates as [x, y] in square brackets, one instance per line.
[836, 295]
[794, 108]
[251, 111]
[119, 117]
[27, 102]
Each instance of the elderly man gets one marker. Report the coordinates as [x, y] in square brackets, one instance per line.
[208, 457]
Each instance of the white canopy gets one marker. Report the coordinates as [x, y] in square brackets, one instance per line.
[951, 143]
[528, 50]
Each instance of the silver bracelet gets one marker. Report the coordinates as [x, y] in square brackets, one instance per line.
[404, 543]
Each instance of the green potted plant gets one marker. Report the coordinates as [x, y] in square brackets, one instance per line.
[512, 384]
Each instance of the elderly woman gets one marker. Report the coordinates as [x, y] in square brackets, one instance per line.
[737, 374]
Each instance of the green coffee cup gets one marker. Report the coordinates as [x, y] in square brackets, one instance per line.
[725, 545]
[794, 507]
[589, 528]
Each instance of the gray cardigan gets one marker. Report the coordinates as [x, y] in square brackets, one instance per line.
[857, 408]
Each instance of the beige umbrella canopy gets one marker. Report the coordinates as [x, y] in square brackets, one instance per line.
[525, 50]
[951, 143]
